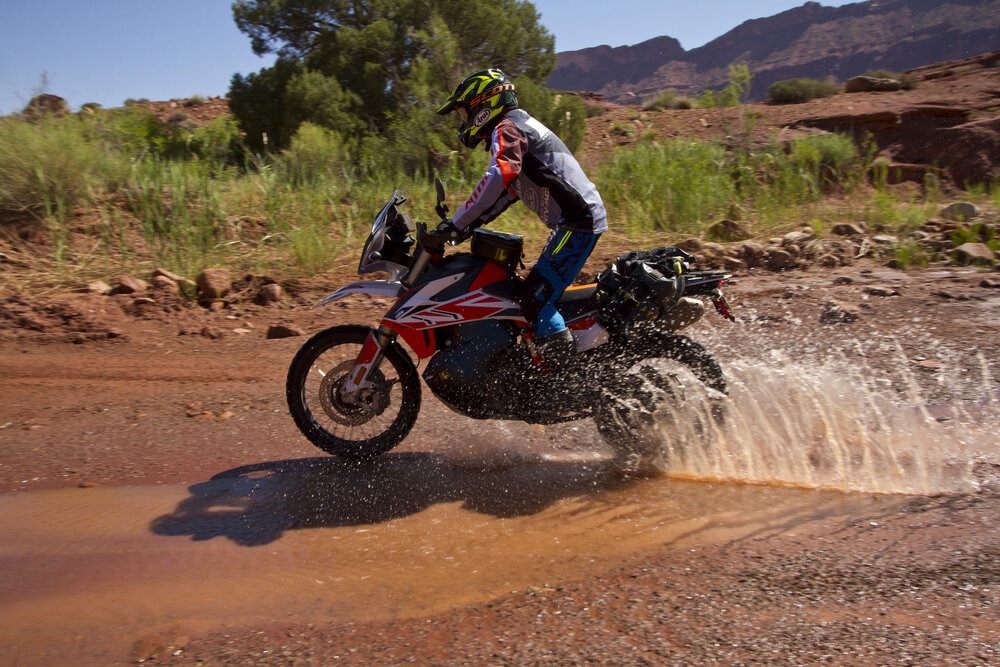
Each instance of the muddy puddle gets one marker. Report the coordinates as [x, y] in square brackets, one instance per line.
[100, 575]
[93, 575]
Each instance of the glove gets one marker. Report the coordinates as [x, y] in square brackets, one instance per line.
[446, 231]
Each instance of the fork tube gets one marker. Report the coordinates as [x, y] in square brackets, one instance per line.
[419, 264]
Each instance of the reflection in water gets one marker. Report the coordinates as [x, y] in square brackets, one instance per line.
[256, 504]
[95, 571]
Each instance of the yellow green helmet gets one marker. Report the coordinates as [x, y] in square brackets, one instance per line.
[484, 96]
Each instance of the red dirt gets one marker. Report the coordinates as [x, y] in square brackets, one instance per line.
[127, 391]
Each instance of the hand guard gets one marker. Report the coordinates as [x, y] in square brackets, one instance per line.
[445, 232]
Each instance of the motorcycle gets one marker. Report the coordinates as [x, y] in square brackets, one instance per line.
[354, 391]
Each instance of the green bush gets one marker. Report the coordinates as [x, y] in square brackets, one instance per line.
[666, 99]
[50, 166]
[671, 187]
[796, 91]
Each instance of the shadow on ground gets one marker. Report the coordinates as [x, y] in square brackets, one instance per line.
[254, 505]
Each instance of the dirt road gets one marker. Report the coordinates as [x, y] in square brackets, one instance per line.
[159, 505]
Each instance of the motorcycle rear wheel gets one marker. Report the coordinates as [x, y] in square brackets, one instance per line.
[336, 425]
[628, 407]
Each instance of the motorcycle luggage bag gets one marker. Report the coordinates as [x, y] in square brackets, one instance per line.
[507, 250]
[639, 286]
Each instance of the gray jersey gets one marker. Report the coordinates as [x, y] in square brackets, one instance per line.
[529, 162]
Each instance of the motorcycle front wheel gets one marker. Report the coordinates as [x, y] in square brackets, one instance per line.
[335, 423]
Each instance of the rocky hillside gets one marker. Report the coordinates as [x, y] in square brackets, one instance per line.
[809, 41]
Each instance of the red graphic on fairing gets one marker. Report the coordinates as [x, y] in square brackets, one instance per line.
[466, 308]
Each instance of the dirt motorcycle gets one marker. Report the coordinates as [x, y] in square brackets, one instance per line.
[354, 391]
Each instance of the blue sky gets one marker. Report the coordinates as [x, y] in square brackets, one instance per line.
[107, 51]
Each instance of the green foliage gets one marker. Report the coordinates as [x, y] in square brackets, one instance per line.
[50, 166]
[316, 155]
[672, 187]
[375, 72]
[796, 91]
[680, 185]
[369, 48]
[733, 94]
[666, 99]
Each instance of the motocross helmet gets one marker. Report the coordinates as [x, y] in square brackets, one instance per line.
[482, 98]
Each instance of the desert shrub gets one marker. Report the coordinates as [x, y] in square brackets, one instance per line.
[50, 166]
[670, 187]
[666, 99]
[796, 91]
[315, 154]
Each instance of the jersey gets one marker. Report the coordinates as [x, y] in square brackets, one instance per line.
[530, 163]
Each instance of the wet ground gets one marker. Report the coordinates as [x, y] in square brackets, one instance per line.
[159, 505]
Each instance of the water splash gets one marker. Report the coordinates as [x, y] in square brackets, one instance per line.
[834, 424]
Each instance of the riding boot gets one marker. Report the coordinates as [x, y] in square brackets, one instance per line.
[558, 350]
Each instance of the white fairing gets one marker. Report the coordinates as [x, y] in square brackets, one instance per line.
[373, 287]
[588, 339]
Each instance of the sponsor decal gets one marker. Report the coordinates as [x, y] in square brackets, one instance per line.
[481, 118]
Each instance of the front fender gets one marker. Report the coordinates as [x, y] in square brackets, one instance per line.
[373, 287]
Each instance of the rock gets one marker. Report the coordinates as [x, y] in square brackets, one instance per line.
[129, 285]
[843, 280]
[713, 249]
[215, 333]
[989, 284]
[752, 254]
[690, 245]
[871, 84]
[727, 231]
[836, 313]
[164, 283]
[168, 274]
[779, 260]
[213, 284]
[959, 211]
[799, 238]
[974, 253]
[269, 294]
[97, 287]
[876, 290]
[46, 104]
[283, 331]
[849, 229]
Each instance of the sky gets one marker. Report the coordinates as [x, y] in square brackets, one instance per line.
[107, 51]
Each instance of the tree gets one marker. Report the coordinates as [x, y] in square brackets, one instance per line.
[379, 56]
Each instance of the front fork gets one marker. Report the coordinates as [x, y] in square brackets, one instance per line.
[359, 385]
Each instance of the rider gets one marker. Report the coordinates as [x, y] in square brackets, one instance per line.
[529, 162]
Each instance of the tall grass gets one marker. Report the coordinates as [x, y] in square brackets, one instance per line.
[683, 184]
[49, 167]
[142, 194]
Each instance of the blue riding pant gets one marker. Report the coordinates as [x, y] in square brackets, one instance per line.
[562, 259]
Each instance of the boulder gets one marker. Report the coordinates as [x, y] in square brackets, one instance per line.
[129, 285]
[213, 284]
[836, 313]
[780, 260]
[871, 84]
[283, 331]
[849, 229]
[974, 253]
[269, 294]
[959, 211]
